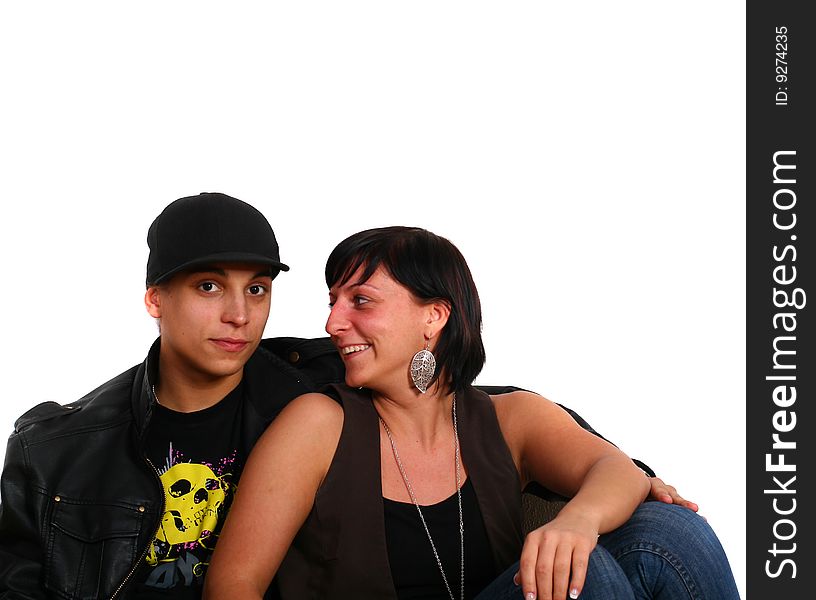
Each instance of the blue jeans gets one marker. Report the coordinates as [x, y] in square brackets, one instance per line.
[663, 552]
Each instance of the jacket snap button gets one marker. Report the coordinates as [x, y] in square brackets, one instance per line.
[57, 498]
[141, 509]
[294, 357]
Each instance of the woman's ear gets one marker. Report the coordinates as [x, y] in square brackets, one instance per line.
[438, 312]
[152, 300]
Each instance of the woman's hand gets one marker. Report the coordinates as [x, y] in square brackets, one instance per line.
[554, 558]
[663, 492]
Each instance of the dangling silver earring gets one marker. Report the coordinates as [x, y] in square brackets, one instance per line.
[423, 366]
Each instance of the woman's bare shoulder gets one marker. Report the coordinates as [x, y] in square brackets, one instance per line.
[521, 402]
[315, 407]
[524, 415]
[314, 420]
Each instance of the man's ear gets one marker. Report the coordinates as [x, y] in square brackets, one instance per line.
[152, 301]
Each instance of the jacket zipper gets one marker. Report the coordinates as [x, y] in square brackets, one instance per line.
[147, 548]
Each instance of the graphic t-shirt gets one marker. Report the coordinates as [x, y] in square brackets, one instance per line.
[198, 458]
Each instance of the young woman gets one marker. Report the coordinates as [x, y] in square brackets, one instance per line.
[406, 481]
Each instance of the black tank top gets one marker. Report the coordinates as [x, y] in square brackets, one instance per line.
[413, 565]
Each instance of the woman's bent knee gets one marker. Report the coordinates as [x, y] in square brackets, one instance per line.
[668, 551]
[605, 579]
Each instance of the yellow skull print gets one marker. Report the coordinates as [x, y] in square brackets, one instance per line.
[194, 496]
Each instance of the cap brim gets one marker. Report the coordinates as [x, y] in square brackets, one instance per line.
[230, 257]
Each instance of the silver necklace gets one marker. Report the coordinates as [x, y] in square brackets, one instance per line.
[457, 463]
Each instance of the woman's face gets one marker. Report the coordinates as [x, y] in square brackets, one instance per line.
[378, 326]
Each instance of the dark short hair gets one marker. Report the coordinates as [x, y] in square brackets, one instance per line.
[431, 268]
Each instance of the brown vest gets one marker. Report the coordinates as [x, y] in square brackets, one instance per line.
[340, 552]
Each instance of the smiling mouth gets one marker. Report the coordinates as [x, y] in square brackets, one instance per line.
[346, 350]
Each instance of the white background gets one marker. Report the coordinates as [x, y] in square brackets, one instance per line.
[587, 158]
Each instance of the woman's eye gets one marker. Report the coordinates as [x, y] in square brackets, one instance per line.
[358, 300]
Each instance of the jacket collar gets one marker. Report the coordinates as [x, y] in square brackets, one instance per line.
[142, 397]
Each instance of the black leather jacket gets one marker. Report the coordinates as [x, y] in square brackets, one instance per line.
[80, 503]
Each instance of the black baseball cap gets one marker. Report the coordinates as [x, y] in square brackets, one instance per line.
[211, 227]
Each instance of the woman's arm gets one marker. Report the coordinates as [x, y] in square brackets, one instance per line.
[275, 494]
[605, 487]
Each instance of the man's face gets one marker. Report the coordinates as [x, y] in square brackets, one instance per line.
[211, 320]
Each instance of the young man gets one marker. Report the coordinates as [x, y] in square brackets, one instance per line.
[123, 493]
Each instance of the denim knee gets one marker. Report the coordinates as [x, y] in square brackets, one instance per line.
[670, 552]
[605, 580]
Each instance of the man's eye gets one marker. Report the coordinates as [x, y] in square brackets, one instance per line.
[207, 286]
[358, 300]
[257, 290]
